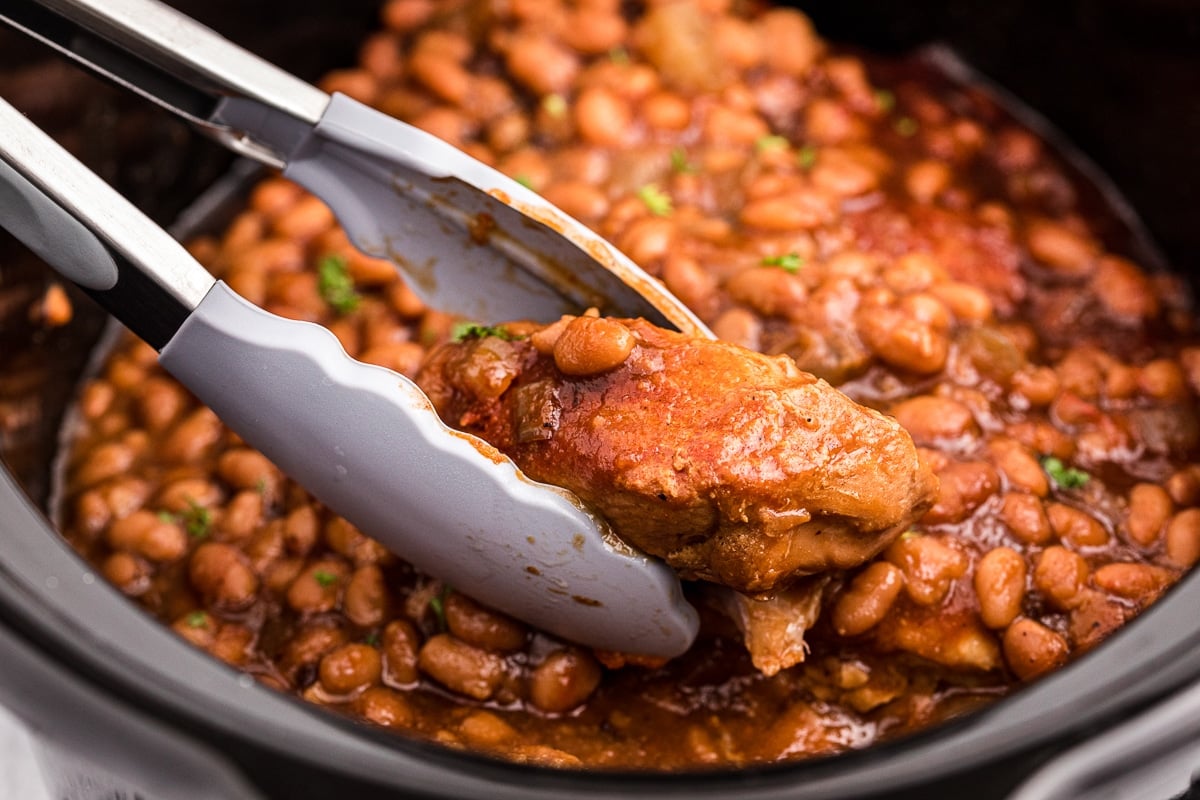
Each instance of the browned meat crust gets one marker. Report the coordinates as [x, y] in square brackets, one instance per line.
[734, 467]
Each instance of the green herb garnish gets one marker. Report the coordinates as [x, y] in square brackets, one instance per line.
[1063, 476]
[325, 578]
[680, 164]
[196, 619]
[335, 284]
[461, 331]
[525, 181]
[789, 262]
[618, 55]
[197, 520]
[906, 126]
[260, 486]
[166, 516]
[885, 100]
[372, 638]
[437, 604]
[806, 156]
[555, 105]
[774, 142]
[658, 201]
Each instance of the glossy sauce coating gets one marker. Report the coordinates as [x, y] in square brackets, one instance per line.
[895, 234]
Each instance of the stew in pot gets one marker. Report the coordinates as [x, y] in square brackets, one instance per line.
[888, 230]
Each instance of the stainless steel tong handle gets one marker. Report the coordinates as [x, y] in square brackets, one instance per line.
[95, 237]
[174, 62]
[364, 440]
[399, 192]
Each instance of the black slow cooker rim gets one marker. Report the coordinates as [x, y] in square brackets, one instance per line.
[49, 596]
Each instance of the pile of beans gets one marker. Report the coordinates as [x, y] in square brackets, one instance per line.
[897, 234]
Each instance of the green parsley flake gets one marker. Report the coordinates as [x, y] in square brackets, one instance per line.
[658, 201]
[196, 619]
[555, 105]
[372, 639]
[525, 181]
[1063, 476]
[473, 330]
[197, 520]
[790, 262]
[335, 284]
[906, 126]
[325, 578]
[885, 100]
[260, 486]
[806, 156]
[166, 516]
[618, 55]
[680, 164]
[437, 604]
[766, 143]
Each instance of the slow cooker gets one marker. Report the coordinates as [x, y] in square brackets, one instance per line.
[121, 707]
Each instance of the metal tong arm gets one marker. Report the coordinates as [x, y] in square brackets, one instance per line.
[93, 235]
[364, 440]
[180, 65]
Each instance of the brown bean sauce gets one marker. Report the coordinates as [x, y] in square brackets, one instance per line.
[895, 231]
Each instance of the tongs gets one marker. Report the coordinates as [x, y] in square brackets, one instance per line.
[363, 440]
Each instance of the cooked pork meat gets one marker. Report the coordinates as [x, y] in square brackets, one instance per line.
[773, 627]
[732, 466]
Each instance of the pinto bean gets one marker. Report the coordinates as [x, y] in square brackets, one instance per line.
[461, 667]
[927, 179]
[768, 290]
[191, 438]
[1149, 509]
[739, 326]
[962, 488]
[384, 706]
[1075, 526]
[223, 577]
[126, 571]
[541, 64]
[146, 534]
[400, 644]
[318, 587]
[1000, 586]
[308, 645]
[300, 529]
[591, 345]
[244, 468]
[1026, 517]
[564, 680]
[929, 565]
[366, 600]
[1183, 538]
[481, 626]
[1031, 649]
[1061, 248]
[902, 341]
[603, 117]
[350, 668]
[1060, 576]
[691, 283]
[870, 596]
[1141, 582]
[929, 418]
[242, 516]
[106, 461]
